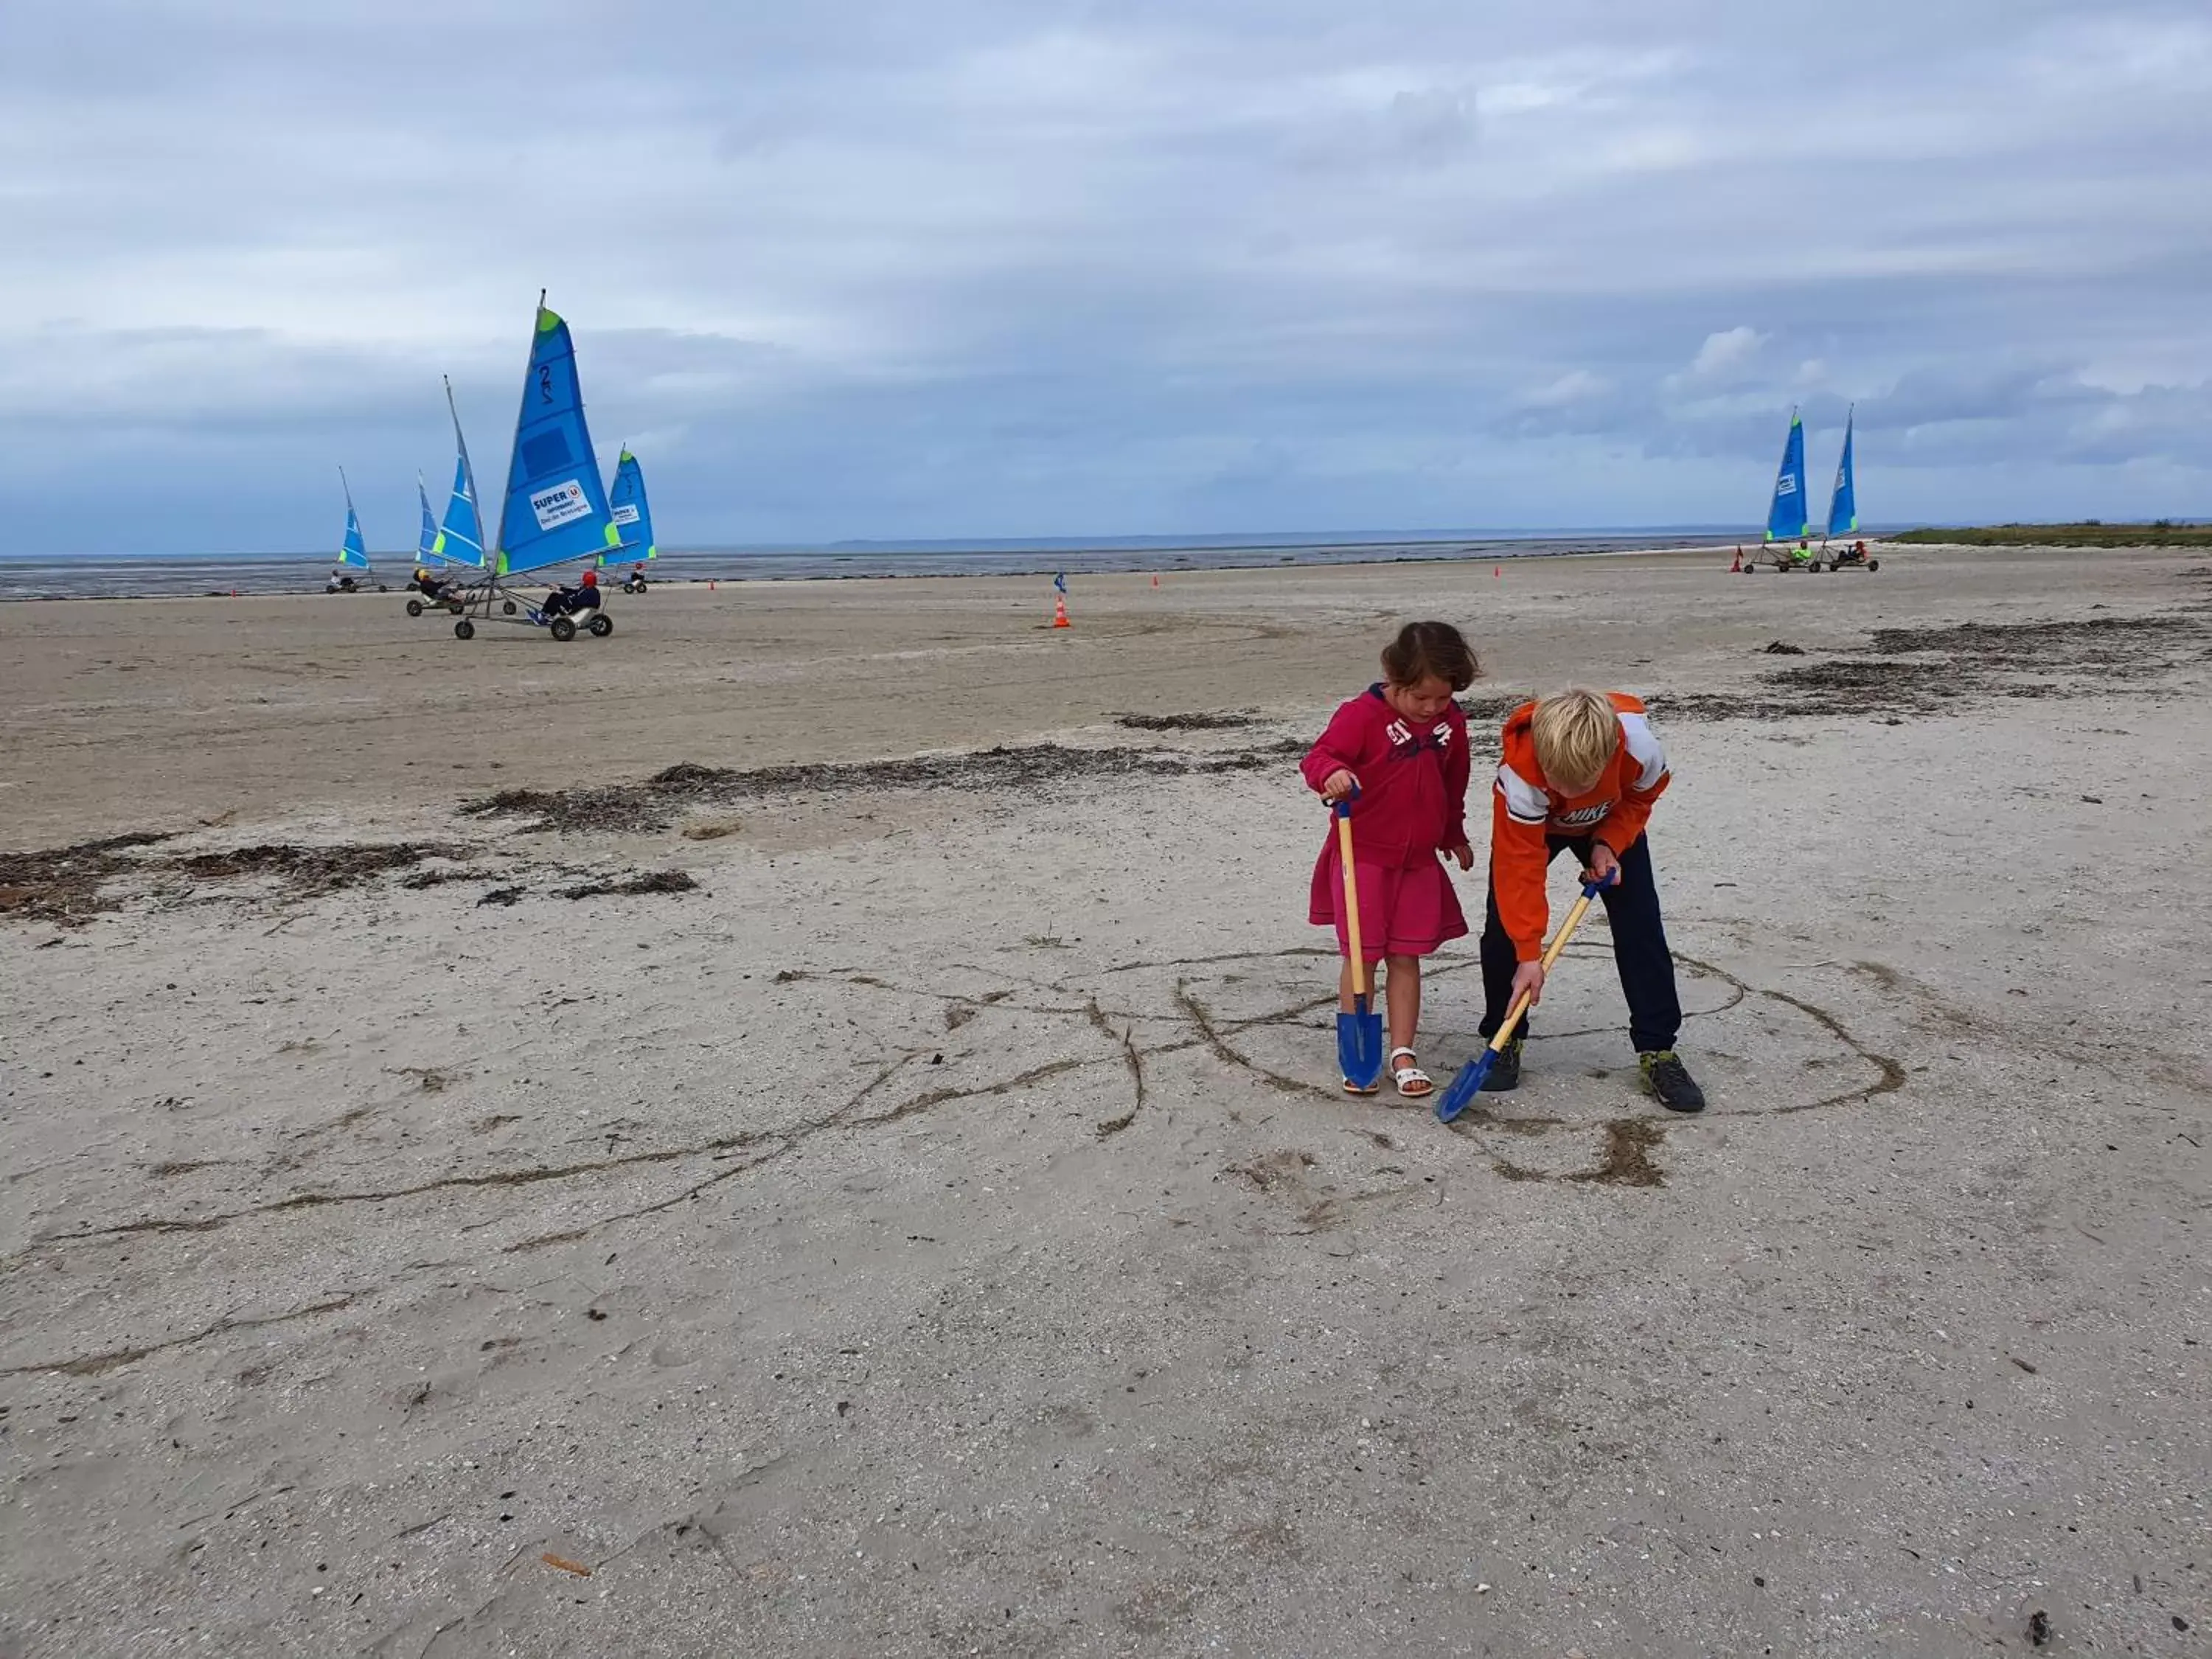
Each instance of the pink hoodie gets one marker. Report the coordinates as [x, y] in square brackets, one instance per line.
[1413, 778]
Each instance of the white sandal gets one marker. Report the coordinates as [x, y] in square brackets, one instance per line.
[1412, 1082]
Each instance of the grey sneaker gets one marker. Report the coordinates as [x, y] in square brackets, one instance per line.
[1666, 1079]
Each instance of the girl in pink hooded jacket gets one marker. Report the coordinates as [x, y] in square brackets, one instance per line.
[1399, 751]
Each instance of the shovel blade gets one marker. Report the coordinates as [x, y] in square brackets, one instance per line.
[1359, 1049]
[1460, 1095]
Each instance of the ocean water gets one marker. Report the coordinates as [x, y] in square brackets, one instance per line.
[99, 578]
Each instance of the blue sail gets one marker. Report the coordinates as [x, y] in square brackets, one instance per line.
[425, 545]
[1843, 507]
[633, 517]
[460, 538]
[353, 550]
[1787, 520]
[556, 509]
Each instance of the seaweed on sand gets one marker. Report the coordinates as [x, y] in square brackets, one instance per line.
[70, 885]
[1192, 722]
[1917, 671]
[656, 802]
[66, 885]
[638, 883]
[305, 871]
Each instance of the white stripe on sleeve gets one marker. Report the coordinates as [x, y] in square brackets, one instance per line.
[1644, 749]
[1525, 802]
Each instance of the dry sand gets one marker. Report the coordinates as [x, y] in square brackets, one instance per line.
[937, 1230]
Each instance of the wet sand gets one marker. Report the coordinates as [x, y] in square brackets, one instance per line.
[158, 713]
[667, 1144]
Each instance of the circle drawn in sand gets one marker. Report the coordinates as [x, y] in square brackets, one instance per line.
[1268, 1019]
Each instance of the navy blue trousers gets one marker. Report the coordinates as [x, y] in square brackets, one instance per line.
[1639, 949]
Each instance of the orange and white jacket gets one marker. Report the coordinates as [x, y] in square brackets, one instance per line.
[1525, 808]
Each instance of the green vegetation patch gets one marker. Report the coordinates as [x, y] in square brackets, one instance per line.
[2090, 532]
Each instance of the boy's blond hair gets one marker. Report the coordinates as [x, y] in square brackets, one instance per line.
[1575, 733]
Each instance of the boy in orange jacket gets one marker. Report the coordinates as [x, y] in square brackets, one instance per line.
[1580, 772]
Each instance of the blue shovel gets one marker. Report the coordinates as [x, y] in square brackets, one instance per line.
[1469, 1083]
[1360, 1033]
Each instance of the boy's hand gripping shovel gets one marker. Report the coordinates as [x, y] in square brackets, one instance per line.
[1360, 1033]
[1469, 1083]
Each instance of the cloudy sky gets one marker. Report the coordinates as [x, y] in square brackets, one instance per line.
[1004, 268]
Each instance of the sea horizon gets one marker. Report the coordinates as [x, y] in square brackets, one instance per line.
[89, 576]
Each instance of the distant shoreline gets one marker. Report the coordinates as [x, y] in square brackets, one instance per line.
[250, 575]
[87, 578]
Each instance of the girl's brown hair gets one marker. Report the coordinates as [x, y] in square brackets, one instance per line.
[1429, 650]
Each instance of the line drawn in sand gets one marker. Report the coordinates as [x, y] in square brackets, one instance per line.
[1256, 1015]
[1623, 1146]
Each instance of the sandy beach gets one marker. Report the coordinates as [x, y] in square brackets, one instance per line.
[808, 1127]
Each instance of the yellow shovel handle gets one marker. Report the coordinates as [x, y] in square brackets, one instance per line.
[1550, 955]
[1360, 984]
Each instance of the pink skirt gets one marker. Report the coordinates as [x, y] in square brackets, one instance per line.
[1405, 910]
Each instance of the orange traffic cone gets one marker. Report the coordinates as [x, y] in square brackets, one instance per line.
[1059, 612]
[710, 584]
[1156, 580]
[1736, 565]
[1496, 571]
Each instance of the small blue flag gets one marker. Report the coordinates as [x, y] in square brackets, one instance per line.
[1059, 580]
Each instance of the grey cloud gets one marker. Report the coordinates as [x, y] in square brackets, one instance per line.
[934, 268]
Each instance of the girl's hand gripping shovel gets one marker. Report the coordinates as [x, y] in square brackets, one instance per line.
[1360, 1033]
[1469, 1083]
